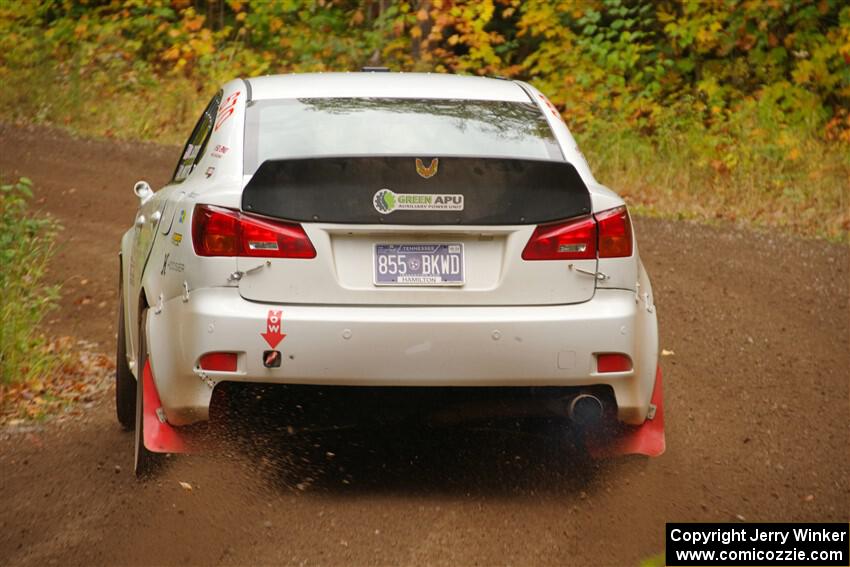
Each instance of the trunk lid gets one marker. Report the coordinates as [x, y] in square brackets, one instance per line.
[348, 206]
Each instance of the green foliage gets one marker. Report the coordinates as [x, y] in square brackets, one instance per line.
[737, 109]
[654, 561]
[26, 245]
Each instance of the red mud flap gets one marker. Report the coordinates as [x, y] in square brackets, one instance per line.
[647, 439]
[159, 437]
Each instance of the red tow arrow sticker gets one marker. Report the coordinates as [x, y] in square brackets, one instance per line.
[273, 335]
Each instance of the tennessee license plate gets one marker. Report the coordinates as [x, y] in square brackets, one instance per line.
[419, 264]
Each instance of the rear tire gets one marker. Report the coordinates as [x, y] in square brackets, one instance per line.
[145, 462]
[125, 382]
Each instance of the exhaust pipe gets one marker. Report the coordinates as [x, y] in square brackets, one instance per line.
[585, 409]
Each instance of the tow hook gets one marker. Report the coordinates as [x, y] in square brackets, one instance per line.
[271, 358]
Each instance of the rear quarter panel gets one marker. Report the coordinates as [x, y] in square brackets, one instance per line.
[172, 267]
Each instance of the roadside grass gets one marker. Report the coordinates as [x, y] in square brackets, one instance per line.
[79, 380]
[26, 247]
[38, 378]
[756, 173]
[147, 108]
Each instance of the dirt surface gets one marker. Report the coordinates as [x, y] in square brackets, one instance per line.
[758, 422]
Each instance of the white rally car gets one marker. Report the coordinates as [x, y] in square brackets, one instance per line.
[383, 229]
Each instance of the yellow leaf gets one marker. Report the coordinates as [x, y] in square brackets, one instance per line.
[171, 54]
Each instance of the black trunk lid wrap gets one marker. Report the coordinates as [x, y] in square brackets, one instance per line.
[495, 191]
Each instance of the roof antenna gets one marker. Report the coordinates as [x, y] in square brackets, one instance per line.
[375, 58]
[374, 64]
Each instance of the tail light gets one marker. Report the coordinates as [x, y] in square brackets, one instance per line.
[615, 233]
[608, 233]
[217, 231]
[613, 362]
[572, 240]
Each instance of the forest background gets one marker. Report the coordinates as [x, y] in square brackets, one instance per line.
[709, 110]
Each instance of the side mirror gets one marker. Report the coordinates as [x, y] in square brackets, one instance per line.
[143, 191]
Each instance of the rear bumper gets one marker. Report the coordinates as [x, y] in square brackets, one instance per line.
[403, 346]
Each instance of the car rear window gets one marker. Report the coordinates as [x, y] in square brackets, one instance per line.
[317, 127]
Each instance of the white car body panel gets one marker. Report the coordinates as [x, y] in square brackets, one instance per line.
[403, 346]
[397, 336]
[342, 271]
[384, 85]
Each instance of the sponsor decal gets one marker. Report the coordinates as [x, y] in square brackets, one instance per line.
[551, 107]
[182, 216]
[219, 151]
[210, 170]
[273, 336]
[177, 239]
[386, 201]
[176, 266]
[225, 111]
[427, 172]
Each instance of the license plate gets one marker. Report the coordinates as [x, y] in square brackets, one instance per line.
[419, 264]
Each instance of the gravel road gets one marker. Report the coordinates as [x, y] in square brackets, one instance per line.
[757, 406]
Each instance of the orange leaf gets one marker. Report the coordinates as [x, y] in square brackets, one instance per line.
[194, 24]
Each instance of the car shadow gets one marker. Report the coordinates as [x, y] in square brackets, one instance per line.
[297, 445]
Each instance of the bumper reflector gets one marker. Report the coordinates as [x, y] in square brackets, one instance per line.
[613, 362]
[219, 361]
